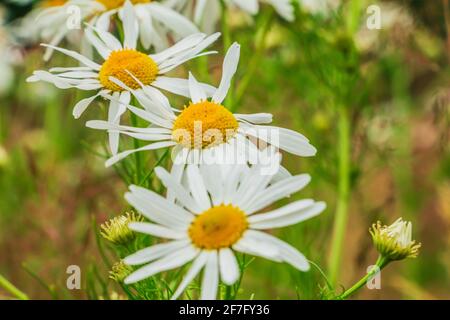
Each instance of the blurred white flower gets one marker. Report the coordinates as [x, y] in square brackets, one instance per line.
[123, 62]
[214, 216]
[54, 20]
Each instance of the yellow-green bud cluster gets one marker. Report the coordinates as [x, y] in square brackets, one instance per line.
[120, 271]
[116, 230]
[394, 242]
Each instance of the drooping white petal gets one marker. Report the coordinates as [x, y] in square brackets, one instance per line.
[229, 268]
[286, 253]
[210, 282]
[252, 245]
[82, 105]
[196, 267]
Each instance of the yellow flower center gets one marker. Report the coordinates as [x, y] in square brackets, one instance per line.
[204, 124]
[114, 4]
[119, 62]
[218, 227]
[52, 3]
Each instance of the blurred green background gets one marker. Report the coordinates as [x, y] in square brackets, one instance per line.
[393, 83]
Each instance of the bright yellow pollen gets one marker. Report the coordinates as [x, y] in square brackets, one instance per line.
[204, 124]
[114, 4]
[218, 227]
[119, 62]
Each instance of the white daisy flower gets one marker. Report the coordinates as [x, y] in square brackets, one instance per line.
[120, 59]
[205, 129]
[215, 215]
[156, 21]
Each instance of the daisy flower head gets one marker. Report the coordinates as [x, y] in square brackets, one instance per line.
[216, 215]
[205, 130]
[54, 20]
[119, 61]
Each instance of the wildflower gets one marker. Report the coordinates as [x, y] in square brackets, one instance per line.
[50, 21]
[205, 128]
[119, 60]
[119, 272]
[116, 230]
[214, 215]
[395, 242]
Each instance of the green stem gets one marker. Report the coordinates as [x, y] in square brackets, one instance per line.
[379, 265]
[8, 286]
[260, 40]
[226, 33]
[341, 216]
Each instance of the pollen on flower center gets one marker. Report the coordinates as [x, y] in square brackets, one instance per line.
[119, 62]
[114, 4]
[204, 124]
[218, 227]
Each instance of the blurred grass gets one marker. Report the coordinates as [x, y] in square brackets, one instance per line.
[397, 92]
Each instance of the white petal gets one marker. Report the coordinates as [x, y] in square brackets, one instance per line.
[196, 91]
[76, 56]
[285, 8]
[250, 6]
[256, 118]
[156, 230]
[152, 146]
[155, 252]
[210, 282]
[129, 26]
[229, 68]
[172, 20]
[180, 86]
[82, 105]
[277, 191]
[229, 268]
[286, 252]
[197, 187]
[197, 265]
[252, 245]
[178, 190]
[172, 261]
